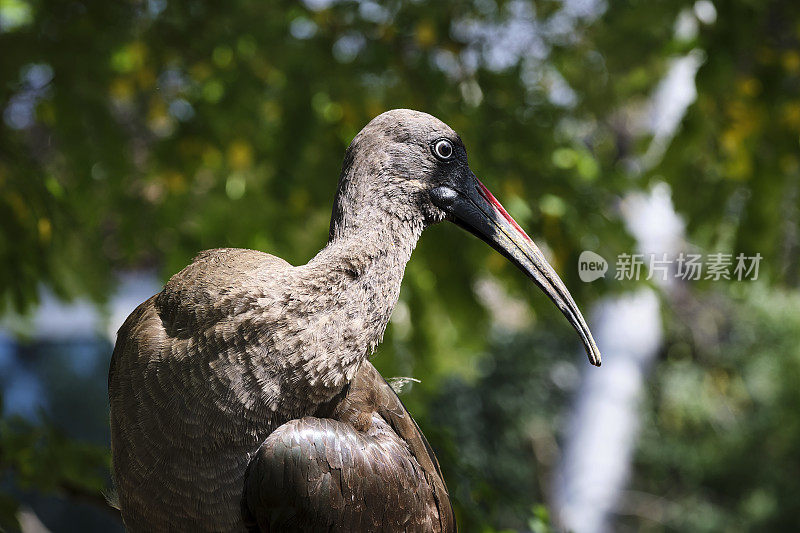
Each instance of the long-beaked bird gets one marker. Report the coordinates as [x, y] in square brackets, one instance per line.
[241, 395]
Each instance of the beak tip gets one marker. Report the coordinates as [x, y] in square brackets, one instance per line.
[594, 356]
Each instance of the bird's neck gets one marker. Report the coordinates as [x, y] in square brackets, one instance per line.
[367, 262]
[361, 272]
[360, 245]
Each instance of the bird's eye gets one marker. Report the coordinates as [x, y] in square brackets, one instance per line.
[443, 149]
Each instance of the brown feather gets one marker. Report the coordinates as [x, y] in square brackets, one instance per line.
[316, 474]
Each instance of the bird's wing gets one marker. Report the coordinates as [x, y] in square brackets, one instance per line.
[366, 469]
[172, 380]
[218, 283]
[389, 406]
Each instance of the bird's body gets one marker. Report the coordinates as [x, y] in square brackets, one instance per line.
[241, 395]
[202, 358]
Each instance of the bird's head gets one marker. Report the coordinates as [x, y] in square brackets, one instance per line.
[410, 166]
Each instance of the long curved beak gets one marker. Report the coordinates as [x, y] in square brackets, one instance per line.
[479, 212]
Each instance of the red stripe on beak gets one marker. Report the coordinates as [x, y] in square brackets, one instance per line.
[489, 197]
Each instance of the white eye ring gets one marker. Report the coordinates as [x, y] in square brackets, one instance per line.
[443, 149]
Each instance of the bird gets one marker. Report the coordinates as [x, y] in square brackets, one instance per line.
[242, 397]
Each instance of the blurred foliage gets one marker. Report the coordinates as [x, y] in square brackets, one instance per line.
[136, 133]
[719, 450]
[735, 167]
[42, 458]
[501, 430]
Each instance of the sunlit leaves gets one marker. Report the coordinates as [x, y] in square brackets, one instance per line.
[15, 14]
